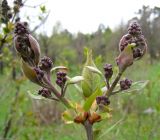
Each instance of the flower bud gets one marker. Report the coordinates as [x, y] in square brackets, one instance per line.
[26, 45]
[79, 119]
[125, 84]
[94, 118]
[45, 92]
[46, 64]
[35, 48]
[134, 29]
[39, 74]
[137, 52]
[9, 15]
[61, 79]
[125, 40]
[108, 71]
[103, 100]
[5, 10]
[128, 51]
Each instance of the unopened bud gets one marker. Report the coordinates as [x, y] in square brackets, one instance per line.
[46, 64]
[134, 29]
[26, 45]
[94, 118]
[102, 100]
[79, 119]
[61, 79]
[108, 71]
[45, 92]
[125, 84]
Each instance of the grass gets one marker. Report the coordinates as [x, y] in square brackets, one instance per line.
[130, 120]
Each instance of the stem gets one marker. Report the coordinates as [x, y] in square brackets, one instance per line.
[107, 84]
[109, 93]
[62, 99]
[4, 38]
[89, 130]
[63, 90]
[56, 92]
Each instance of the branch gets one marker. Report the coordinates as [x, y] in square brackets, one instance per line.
[41, 23]
[35, 6]
[4, 38]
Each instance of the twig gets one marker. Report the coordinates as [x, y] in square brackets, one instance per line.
[35, 6]
[63, 90]
[4, 38]
[107, 84]
[41, 23]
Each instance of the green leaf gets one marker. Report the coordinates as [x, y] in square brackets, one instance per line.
[68, 116]
[91, 80]
[9, 38]
[10, 26]
[1, 36]
[88, 103]
[59, 68]
[43, 9]
[6, 30]
[135, 87]
[125, 59]
[94, 69]
[35, 96]
[76, 86]
[105, 115]
[109, 129]
[75, 80]
[29, 72]
[1, 56]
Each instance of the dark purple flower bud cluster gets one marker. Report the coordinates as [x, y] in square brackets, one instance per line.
[17, 5]
[61, 79]
[45, 92]
[23, 47]
[102, 100]
[5, 11]
[134, 36]
[18, 2]
[134, 29]
[126, 39]
[108, 71]
[21, 28]
[26, 45]
[17, 19]
[46, 63]
[137, 52]
[39, 73]
[125, 84]
[23, 43]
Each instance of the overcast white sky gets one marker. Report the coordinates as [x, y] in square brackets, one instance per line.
[86, 15]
